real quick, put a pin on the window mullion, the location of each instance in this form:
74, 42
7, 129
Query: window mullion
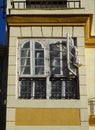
46, 60
46, 67
33, 89
48, 88
32, 53
61, 68
63, 93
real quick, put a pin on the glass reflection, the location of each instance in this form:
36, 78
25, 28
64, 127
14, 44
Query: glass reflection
39, 62
39, 54
25, 70
38, 45
39, 70
25, 53
26, 45
25, 61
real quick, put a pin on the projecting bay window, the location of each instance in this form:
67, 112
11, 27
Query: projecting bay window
48, 69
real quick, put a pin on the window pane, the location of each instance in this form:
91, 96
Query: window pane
55, 47
26, 45
25, 53
25, 70
26, 89
55, 58
25, 61
40, 89
55, 70
55, 62
70, 89
38, 45
25, 58
39, 54
54, 54
56, 88
73, 68
39, 62
39, 59
39, 70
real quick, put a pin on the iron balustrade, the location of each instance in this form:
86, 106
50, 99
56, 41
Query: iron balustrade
45, 4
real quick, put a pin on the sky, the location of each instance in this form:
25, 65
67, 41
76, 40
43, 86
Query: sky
2, 26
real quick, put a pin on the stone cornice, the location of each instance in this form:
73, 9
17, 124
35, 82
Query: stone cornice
56, 20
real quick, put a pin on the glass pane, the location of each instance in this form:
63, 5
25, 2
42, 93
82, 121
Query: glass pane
55, 70
39, 54
54, 54
55, 58
25, 70
38, 45
70, 89
73, 51
25, 53
26, 89
26, 45
39, 70
40, 89
55, 47
71, 57
72, 67
56, 89
25, 82
25, 61
39, 62
55, 62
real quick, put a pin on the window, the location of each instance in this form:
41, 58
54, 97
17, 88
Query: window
48, 69
46, 3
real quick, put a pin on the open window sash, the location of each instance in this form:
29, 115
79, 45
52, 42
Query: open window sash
71, 55
55, 49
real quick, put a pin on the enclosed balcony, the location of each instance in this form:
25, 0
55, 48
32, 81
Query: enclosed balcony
45, 4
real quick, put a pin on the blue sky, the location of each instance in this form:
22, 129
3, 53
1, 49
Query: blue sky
2, 27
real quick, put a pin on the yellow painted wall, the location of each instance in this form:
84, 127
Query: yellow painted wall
90, 71
47, 117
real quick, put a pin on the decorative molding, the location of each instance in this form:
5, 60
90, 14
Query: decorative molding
56, 20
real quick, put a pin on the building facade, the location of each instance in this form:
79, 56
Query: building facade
49, 43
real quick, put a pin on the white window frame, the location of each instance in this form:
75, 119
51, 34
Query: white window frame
70, 42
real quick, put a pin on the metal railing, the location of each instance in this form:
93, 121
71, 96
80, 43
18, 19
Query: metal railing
45, 4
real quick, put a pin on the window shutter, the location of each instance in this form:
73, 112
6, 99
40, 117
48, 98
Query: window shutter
71, 55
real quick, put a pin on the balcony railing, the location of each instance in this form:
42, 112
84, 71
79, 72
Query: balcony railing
32, 4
